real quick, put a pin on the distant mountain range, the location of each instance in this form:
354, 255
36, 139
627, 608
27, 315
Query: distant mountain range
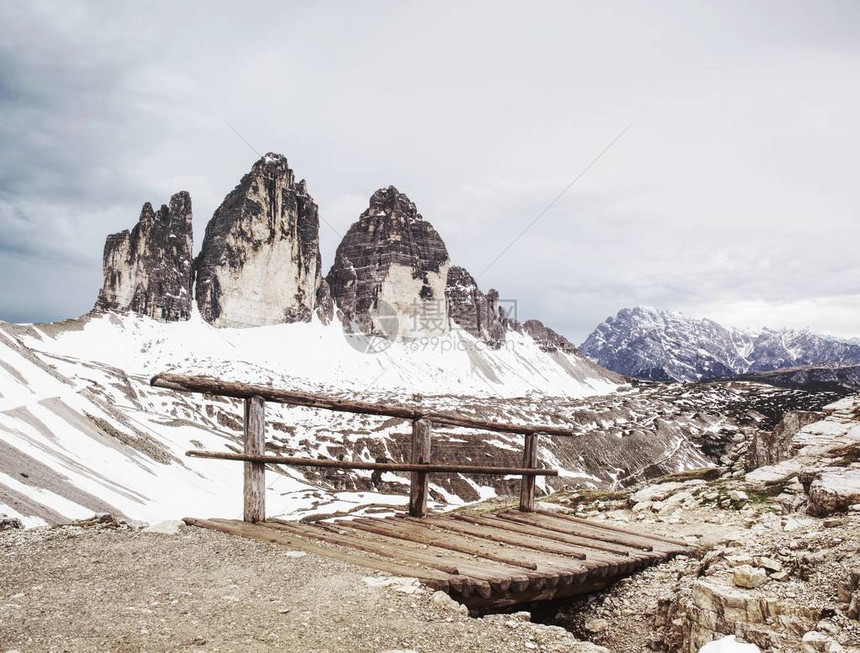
658, 345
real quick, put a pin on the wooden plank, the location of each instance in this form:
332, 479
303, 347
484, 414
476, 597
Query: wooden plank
535, 531
550, 569
255, 472
211, 386
542, 521
586, 530
506, 537
563, 562
527, 484
430, 577
419, 482
466, 566
377, 548
579, 520
593, 529
499, 577
424, 537
487, 550
360, 464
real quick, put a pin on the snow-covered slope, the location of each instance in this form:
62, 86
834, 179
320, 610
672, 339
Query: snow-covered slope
666, 345
82, 431
322, 357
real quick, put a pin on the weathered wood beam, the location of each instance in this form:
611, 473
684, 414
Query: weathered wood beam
419, 482
422, 534
527, 484
548, 520
499, 578
525, 527
388, 467
615, 529
376, 548
211, 386
557, 526
255, 472
495, 534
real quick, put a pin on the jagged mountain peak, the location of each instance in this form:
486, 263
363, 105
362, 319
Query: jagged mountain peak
650, 343
390, 201
272, 161
391, 264
260, 259
148, 269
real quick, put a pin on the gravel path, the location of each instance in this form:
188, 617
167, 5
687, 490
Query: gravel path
100, 588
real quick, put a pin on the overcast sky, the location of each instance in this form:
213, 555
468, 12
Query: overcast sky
734, 195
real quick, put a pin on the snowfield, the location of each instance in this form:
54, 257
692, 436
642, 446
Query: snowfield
83, 432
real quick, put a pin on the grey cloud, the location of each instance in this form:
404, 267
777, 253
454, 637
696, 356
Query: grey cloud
734, 189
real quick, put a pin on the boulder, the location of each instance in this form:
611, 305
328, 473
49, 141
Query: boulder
834, 489
655, 493
715, 609
749, 577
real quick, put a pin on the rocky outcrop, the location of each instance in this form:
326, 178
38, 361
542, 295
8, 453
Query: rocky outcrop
324, 302
148, 270
260, 260
391, 266
771, 447
548, 339
473, 311
714, 608
842, 378
832, 489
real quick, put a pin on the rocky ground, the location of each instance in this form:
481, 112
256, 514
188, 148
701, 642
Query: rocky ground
777, 559
103, 587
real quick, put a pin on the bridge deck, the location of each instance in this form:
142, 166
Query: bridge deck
493, 560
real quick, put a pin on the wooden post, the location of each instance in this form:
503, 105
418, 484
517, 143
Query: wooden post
255, 473
527, 485
419, 484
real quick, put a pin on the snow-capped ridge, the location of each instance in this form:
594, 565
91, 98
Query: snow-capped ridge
645, 342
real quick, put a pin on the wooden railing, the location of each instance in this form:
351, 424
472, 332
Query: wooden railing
255, 458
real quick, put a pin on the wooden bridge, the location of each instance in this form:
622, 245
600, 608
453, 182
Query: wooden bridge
488, 560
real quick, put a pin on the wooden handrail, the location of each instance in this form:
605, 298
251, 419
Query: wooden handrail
388, 467
254, 441
212, 386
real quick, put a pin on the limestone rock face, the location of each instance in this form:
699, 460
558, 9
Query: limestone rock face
391, 264
772, 447
472, 310
148, 270
260, 260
